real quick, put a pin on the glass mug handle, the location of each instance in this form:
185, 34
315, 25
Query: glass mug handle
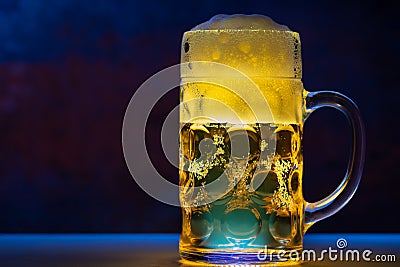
328, 206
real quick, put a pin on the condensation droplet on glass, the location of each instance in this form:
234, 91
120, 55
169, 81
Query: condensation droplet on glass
244, 47
215, 55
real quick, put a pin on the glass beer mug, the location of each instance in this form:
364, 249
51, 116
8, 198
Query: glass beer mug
242, 112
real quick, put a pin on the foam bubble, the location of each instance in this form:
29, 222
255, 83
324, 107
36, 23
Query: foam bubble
240, 22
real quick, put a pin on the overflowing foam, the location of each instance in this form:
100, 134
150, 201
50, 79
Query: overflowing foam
240, 22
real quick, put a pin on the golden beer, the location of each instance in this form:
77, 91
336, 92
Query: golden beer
244, 217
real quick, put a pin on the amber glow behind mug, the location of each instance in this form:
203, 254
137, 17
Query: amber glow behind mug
241, 162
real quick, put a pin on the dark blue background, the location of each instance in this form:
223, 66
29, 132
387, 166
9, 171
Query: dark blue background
68, 69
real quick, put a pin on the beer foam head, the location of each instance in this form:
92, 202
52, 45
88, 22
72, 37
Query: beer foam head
267, 53
253, 44
240, 22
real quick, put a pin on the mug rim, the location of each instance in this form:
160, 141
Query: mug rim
243, 30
